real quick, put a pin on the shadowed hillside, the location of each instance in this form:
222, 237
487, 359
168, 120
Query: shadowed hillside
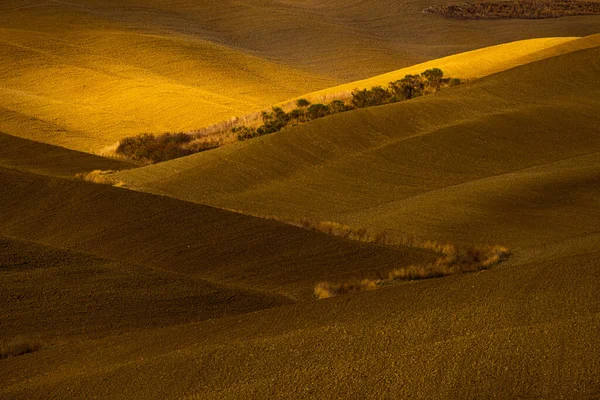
46, 159
194, 240
52, 295
525, 329
173, 287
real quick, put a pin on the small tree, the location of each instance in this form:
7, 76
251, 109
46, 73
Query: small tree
316, 111
337, 106
244, 133
410, 86
433, 78
273, 121
302, 103
297, 114
369, 98
360, 98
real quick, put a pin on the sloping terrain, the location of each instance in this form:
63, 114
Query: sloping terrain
53, 295
372, 167
86, 87
84, 75
41, 158
167, 294
476, 63
524, 329
184, 238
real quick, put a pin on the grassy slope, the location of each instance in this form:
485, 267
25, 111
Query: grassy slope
54, 295
524, 329
527, 328
477, 63
85, 75
441, 150
41, 158
184, 238
85, 86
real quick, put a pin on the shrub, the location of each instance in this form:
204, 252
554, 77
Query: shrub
370, 98
316, 111
338, 106
302, 103
516, 9
244, 133
433, 78
325, 290
298, 115
273, 121
153, 149
411, 86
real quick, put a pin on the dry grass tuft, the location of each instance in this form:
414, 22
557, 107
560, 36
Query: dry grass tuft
101, 177
453, 260
324, 290
18, 347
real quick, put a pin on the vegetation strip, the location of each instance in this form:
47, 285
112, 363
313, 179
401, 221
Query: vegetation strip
453, 259
150, 148
516, 9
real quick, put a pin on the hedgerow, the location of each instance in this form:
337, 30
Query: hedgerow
152, 149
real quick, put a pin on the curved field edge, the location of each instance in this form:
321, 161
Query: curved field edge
473, 64
511, 324
45, 159
200, 242
151, 149
106, 75
476, 63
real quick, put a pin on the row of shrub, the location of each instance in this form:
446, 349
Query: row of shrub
149, 148
410, 86
153, 149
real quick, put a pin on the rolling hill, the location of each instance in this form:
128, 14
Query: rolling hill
202, 242
85, 75
457, 148
54, 296
526, 328
45, 159
476, 63
175, 287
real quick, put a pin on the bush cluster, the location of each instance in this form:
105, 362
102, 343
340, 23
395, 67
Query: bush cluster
149, 148
277, 119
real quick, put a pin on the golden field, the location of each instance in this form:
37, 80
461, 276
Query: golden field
196, 278
84, 75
